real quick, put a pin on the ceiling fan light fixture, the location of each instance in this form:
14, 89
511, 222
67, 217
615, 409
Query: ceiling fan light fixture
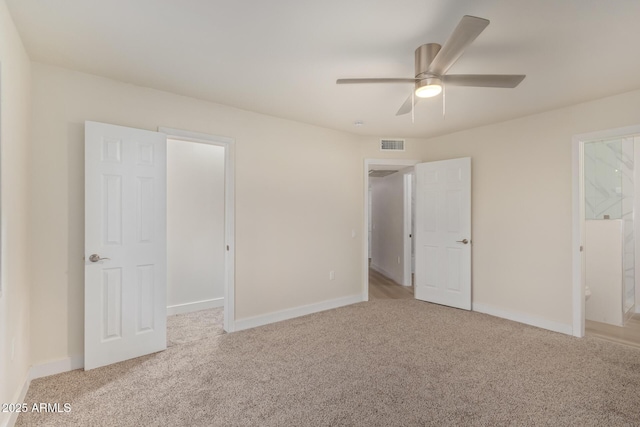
428, 87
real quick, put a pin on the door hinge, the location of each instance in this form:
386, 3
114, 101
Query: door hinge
581, 248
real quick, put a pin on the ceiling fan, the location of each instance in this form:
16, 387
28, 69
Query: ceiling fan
433, 61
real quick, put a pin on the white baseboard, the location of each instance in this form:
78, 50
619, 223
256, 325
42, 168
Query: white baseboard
194, 306
77, 362
11, 421
44, 370
277, 316
524, 318
56, 367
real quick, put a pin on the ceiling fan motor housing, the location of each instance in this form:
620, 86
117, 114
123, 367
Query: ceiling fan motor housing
424, 57
432, 82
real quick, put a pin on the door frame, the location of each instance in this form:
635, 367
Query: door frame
407, 226
401, 163
229, 211
578, 213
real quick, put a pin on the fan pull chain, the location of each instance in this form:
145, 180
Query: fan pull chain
413, 104
444, 100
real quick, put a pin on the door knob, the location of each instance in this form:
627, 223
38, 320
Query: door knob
96, 258
463, 241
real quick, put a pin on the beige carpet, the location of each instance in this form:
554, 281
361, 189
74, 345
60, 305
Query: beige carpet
194, 326
381, 363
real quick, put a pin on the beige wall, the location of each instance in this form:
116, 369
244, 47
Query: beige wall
195, 223
298, 196
521, 201
14, 298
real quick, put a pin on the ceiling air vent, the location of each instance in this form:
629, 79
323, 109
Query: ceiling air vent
392, 145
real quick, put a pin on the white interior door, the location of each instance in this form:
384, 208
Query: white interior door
443, 232
125, 226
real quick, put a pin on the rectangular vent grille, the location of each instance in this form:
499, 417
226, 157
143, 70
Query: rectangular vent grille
392, 145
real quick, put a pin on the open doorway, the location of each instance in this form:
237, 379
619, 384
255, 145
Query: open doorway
388, 206
200, 234
195, 240
605, 202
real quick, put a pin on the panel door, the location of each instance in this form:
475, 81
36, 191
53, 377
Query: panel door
443, 232
125, 243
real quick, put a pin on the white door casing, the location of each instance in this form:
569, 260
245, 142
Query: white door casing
442, 225
125, 223
407, 237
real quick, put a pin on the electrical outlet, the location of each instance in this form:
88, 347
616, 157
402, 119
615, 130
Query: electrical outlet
332, 275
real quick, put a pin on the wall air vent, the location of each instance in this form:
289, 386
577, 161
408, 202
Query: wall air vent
392, 145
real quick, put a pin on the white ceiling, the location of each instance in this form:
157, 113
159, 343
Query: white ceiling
282, 57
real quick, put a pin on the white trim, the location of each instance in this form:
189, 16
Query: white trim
365, 234
229, 213
13, 417
290, 313
527, 319
577, 241
194, 306
185, 135
578, 215
56, 367
407, 189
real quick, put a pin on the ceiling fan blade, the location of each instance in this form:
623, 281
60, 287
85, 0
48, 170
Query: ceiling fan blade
484, 80
465, 33
406, 107
378, 80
